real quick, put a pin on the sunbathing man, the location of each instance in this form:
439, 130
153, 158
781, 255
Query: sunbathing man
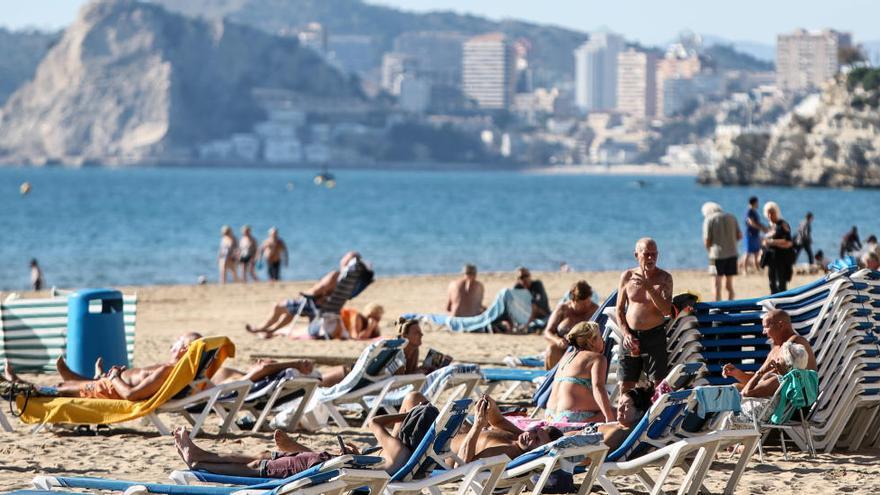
644, 300
465, 295
492, 434
764, 382
118, 383
284, 311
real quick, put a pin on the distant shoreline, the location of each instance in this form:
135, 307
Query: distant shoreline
632, 169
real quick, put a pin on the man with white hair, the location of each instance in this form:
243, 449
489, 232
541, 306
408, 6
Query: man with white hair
720, 236
782, 358
870, 260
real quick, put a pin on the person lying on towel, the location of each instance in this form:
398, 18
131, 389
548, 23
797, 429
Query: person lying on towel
136, 384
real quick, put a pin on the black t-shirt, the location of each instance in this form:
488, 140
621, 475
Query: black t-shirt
539, 297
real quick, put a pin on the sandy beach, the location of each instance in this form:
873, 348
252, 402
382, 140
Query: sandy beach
134, 451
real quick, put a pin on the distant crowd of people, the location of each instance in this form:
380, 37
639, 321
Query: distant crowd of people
772, 246
246, 255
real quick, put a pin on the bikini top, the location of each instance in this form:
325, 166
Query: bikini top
584, 382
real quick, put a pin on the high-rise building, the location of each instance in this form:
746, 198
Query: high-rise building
678, 64
596, 72
489, 71
806, 60
636, 83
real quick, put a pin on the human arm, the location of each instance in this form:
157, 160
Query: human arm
468, 449
497, 420
731, 371
621, 311
739, 234
598, 374
661, 293
284, 254
550, 331
145, 389
707, 234
764, 382
780, 243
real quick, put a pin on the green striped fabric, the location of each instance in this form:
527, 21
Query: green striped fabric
33, 332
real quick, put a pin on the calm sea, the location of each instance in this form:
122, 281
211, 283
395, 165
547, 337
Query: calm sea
99, 227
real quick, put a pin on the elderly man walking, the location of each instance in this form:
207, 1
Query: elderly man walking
720, 235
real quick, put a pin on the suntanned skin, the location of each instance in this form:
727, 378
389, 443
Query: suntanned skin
777, 326
566, 315
644, 296
587, 363
465, 296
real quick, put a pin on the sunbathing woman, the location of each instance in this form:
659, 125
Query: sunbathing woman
362, 326
578, 308
578, 394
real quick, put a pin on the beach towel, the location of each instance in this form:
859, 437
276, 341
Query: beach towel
191, 374
798, 389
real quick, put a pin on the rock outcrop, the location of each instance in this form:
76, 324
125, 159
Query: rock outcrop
130, 82
831, 139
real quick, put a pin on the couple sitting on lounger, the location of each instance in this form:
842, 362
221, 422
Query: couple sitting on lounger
491, 434
136, 384
344, 325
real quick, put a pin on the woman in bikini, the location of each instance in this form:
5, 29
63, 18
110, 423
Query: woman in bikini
227, 254
579, 307
578, 394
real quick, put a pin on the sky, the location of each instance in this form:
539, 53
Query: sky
647, 21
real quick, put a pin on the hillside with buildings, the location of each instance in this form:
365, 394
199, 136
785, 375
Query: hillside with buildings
131, 82
831, 139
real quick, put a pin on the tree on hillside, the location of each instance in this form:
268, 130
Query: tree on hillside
851, 55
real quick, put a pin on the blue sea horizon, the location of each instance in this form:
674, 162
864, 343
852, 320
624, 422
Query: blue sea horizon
145, 226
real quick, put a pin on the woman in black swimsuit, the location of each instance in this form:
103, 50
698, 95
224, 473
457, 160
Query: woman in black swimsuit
778, 254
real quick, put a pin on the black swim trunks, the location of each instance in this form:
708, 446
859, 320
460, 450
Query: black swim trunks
725, 266
652, 358
274, 270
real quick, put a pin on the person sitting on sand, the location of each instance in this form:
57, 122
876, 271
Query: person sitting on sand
631, 407
777, 326
465, 295
578, 394
284, 311
357, 326
579, 307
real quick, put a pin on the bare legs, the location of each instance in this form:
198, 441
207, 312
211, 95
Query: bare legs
279, 319
231, 464
227, 266
728, 282
249, 269
263, 368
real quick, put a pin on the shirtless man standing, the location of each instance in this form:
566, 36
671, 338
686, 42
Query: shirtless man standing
274, 250
465, 295
644, 300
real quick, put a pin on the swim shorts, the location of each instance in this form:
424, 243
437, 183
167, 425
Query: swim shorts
725, 266
273, 268
753, 244
652, 358
286, 464
99, 389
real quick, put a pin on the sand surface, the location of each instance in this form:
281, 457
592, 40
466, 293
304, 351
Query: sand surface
134, 451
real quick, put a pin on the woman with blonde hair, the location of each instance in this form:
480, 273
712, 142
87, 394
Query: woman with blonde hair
362, 326
578, 394
778, 249
579, 307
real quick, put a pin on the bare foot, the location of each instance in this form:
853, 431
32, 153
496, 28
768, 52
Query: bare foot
251, 329
99, 367
284, 443
65, 371
265, 335
187, 450
8, 373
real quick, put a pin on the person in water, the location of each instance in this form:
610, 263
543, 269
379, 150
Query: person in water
578, 394
227, 254
579, 307
247, 254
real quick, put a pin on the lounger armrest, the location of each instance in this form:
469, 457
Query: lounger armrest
562, 454
445, 476
45, 482
350, 460
415, 379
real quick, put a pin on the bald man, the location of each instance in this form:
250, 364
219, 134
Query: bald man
777, 326
644, 300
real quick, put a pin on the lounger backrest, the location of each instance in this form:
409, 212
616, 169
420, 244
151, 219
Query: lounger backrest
433, 450
666, 413
684, 375
377, 361
353, 274
33, 332
206, 362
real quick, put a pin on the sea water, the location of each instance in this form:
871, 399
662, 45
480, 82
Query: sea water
103, 227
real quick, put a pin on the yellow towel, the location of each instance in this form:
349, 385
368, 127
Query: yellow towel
104, 411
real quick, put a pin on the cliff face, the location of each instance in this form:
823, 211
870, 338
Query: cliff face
130, 82
22, 52
832, 139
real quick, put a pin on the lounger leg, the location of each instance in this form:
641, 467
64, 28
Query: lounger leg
229, 421
154, 418
4, 423
377, 402
809, 435
782, 439
336, 415
747, 453
592, 474
608, 486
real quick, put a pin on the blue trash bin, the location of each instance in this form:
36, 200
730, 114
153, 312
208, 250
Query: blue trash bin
95, 328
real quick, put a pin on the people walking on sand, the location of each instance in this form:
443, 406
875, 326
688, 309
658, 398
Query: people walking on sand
274, 251
578, 308
778, 254
720, 235
247, 254
804, 239
36, 275
227, 255
754, 228
850, 244
465, 295
644, 301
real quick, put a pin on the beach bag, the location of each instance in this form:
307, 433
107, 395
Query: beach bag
416, 425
